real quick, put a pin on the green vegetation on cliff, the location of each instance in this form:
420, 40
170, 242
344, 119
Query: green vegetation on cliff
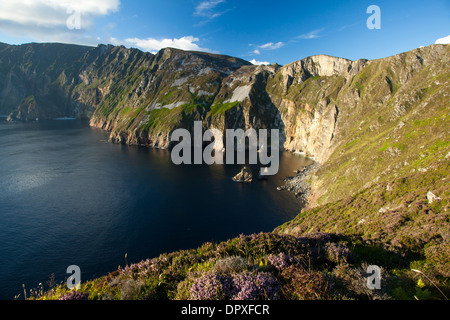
221, 108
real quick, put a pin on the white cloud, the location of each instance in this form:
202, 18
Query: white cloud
444, 40
266, 46
47, 20
53, 13
311, 35
253, 61
348, 26
271, 46
188, 43
205, 8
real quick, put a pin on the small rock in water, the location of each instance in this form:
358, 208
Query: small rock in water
245, 176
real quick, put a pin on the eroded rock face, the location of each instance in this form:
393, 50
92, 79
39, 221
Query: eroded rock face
309, 133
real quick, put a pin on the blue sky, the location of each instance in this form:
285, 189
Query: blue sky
264, 31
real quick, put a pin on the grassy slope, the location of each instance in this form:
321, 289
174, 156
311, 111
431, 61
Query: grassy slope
396, 127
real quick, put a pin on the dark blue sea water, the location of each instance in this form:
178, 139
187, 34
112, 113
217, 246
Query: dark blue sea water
68, 197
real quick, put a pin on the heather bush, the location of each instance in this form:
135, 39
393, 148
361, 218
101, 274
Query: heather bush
256, 246
211, 286
259, 286
130, 289
300, 284
355, 282
245, 285
281, 261
319, 238
337, 253
75, 295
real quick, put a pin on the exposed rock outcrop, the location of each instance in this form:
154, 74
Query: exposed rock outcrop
245, 176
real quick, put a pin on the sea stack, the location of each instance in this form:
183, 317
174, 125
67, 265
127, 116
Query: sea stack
245, 176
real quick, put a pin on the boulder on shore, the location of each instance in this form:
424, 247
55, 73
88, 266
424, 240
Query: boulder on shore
245, 176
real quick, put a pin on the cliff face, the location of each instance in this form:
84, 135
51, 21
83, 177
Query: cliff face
393, 120
172, 91
306, 93
340, 112
38, 81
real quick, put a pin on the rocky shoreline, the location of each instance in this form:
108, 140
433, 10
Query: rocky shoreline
297, 184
